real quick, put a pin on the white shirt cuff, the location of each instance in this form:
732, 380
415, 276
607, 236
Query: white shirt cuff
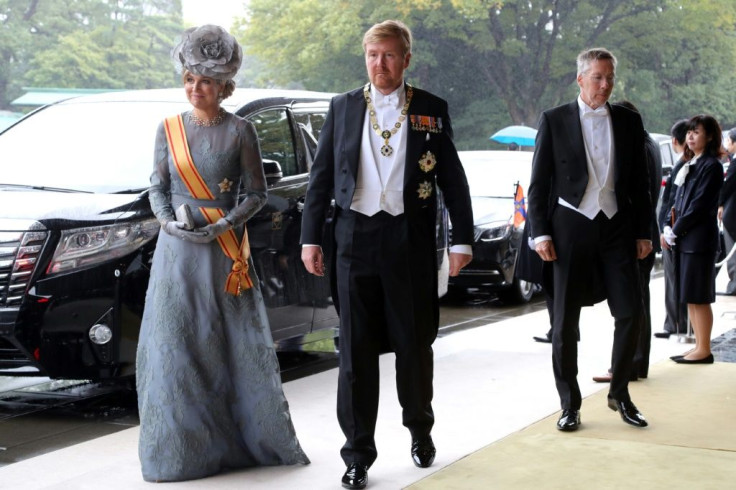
462, 249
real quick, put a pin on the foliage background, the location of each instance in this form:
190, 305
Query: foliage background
496, 62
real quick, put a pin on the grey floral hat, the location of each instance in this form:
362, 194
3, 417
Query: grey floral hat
209, 51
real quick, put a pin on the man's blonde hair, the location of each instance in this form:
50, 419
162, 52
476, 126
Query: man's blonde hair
389, 29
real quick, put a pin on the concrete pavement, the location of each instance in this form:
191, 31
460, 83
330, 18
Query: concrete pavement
490, 382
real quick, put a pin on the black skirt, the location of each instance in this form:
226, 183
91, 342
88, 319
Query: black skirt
697, 277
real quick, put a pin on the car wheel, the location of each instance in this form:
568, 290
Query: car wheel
520, 291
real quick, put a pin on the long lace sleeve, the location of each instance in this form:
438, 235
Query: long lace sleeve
159, 194
253, 179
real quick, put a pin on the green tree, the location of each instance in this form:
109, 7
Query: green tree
499, 63
86, 44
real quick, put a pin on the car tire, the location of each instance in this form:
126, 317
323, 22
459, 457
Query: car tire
520, 291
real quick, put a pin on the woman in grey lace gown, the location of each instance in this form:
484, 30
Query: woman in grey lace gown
209, 389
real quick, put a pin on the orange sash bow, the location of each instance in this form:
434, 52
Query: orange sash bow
238, 278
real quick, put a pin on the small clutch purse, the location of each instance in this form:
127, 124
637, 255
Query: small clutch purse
184, 214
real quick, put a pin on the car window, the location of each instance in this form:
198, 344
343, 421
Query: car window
666, 149
85, 146
312, 121
275, 138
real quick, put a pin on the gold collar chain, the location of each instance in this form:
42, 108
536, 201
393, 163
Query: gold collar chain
386, 149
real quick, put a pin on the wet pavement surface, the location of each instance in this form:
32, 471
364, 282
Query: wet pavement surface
38, 415
724, 347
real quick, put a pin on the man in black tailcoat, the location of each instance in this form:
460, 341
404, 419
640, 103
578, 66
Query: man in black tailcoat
383, 151
590, 208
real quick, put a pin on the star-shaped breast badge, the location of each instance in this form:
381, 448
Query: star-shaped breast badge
225, 185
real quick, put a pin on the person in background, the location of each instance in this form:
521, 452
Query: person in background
694, 231
727, 211
383, 152
645, 265
590, 212
208, 380
675, 321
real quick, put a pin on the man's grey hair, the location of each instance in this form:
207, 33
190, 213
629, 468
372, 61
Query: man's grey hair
586, 57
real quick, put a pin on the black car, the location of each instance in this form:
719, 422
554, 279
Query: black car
493, 177
77, 233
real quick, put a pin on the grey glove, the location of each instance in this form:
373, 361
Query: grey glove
210, 232
177, 229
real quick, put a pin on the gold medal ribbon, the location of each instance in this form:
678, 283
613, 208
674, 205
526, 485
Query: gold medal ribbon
238, 278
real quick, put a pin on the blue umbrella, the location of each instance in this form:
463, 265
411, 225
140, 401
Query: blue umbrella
521, 135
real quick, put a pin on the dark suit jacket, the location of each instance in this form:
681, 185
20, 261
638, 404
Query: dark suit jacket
335, 171
559, 167
728, 199
668, 197
696, 207
654, 167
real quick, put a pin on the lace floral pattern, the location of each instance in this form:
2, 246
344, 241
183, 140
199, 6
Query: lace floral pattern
209, 388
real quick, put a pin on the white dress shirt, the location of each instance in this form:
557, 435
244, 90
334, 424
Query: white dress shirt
380, 182
600, 193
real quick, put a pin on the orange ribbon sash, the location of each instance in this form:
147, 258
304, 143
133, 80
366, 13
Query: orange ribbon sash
238, 278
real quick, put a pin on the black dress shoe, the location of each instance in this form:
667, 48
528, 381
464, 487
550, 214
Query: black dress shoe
706, 360
356, 476
569, 420
423, 452
662, 335
545, 339
629, 413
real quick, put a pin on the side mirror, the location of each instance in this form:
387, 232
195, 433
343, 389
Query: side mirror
272, 171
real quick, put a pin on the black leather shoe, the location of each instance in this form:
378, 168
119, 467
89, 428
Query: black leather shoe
356, 476
629, 413
545, 339
423, 452
706, 360
569, 420
662, 335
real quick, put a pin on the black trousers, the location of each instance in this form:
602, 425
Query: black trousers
590, 254
676, 312
375, 292
644, 320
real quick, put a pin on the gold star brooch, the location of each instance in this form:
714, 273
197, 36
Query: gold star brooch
225, 185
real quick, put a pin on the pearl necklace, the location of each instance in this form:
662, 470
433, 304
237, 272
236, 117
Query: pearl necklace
386, 149
194, 119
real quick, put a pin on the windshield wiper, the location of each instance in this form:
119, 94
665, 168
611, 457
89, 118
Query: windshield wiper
43, 188
136, 190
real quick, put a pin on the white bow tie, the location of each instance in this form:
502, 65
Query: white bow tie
682, 174
602, 111
390, 100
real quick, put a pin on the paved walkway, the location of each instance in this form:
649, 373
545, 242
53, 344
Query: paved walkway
490, 382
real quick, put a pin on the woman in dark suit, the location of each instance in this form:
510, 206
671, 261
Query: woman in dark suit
694, 231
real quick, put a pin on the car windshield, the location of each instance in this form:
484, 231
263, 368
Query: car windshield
85, 146
495, 173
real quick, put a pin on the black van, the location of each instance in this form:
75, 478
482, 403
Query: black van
77, 233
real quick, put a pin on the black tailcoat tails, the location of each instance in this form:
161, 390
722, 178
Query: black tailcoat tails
386, 266
591, 254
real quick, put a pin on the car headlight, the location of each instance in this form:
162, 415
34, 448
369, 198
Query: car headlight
83, 247
495, 230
